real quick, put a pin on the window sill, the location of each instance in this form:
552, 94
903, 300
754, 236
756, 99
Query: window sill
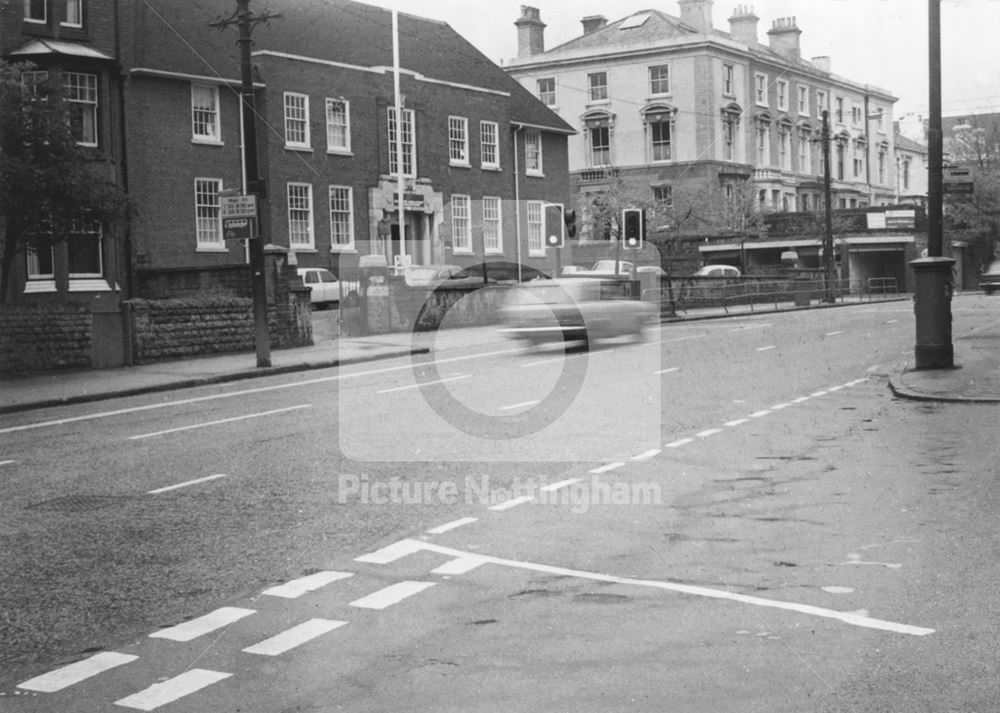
89, 284
460, 164
536, 253
340, 152
344, 249
495, 253
462, 251
495, 169
212, 249
206, 142
299, 249
33, 287
535, 174
298, 148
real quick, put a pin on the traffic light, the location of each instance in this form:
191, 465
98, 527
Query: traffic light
633, 228
554, 225
570, 219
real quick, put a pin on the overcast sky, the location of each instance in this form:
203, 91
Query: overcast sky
878, 42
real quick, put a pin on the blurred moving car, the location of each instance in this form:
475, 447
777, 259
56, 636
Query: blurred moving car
718, 271
989, 279
575, 309
428, 275
496, 272
324, 287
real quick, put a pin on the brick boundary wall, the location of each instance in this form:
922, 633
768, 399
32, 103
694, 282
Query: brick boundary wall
44, 337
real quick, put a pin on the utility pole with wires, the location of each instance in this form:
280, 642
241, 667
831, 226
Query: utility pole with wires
246, 21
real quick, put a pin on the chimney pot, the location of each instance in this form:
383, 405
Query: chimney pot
593, 23
743, 25
697, 13
530, 32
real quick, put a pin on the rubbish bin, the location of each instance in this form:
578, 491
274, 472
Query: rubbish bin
801, 291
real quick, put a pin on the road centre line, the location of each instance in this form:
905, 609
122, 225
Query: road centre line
560, 485
801, 399
852, 618
736, 422
778, 407
393, 594
667, 371
66, 676
752, 326
767, 348
520, 405
186, 484
244, 392
512, 503
425, 383
817, 394
708, 432
220, 422
6, 462
189, 630
607, 467
834, 334
758, 414
682, 339
452, 525
295, 588
835, 388
296, 636
159, 694
646, 455
679, 443
553, 360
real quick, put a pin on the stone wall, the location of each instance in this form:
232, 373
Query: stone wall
420, 310
44, 337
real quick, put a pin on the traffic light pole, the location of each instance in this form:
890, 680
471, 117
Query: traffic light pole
828, 277
245, 22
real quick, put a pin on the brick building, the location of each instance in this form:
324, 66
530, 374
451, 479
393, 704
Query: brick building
480, 153
79, 40
678, 112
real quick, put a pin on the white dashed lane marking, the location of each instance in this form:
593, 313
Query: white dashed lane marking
737, 422
680, 442
390, 553
758, 414
425, 383
523, 404
186, 484
767, 348
708, 432
220, 422
393, 594
512, 503
560, 485
646, 455
834, 334
294, 637
297, 587
607, 467
75, 672
190, 630
460, 565
172, 689
667, 371
452, 525
6, 462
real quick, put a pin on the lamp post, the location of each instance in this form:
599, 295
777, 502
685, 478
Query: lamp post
932, 274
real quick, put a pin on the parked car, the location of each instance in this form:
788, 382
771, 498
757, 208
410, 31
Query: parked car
574, 309
496, 272
428, 276
989, 279
323, 286
718, 271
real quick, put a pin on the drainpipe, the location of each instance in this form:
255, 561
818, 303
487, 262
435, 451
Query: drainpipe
123, 148
517, 199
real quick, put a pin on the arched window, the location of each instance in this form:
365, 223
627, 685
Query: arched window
762, 125
659, 122
731, 115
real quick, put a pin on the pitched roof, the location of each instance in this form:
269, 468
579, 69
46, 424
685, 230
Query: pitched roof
908, 144
178, 38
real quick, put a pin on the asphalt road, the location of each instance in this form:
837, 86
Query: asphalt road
731, 515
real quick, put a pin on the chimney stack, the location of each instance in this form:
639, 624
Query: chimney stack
743, 25
530, 32
822, 64
784, 37
697, 13
593, 23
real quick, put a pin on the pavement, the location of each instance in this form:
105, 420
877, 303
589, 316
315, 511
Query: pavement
975, 378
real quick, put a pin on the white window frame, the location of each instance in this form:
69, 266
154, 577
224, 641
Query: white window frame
533, 165
81, 91
409, 142
857, 115
669, 143
535, 215
822, 103
760, 89
38, 281
664, 195
458, 141
341, 218
461, 224
764, 143
805, 155
728, 80
652, 81
28, 17
544, 95
489, 145
203, 115
783, 94
208, 216
595, 159
597, 92
838, 110
90, 280
803, 92
881, 165
335, 121
784, 147
299, 197
492, 225
297, 129
76, 5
